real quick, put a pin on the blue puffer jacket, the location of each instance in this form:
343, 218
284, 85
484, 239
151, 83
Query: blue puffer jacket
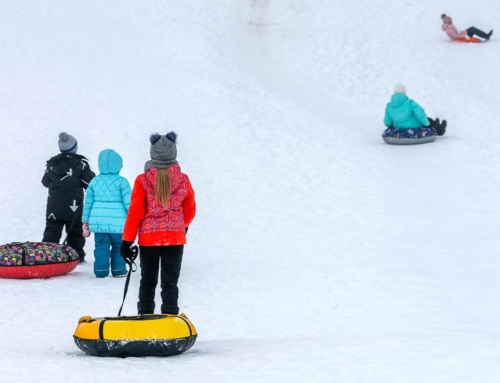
108, 196
404, 113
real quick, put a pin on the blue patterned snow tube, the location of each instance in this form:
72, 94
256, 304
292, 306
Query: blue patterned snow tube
394, 136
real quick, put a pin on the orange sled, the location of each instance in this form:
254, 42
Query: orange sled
471, 40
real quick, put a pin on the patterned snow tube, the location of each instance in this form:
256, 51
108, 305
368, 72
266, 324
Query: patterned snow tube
138, 336
28, 260
394, 136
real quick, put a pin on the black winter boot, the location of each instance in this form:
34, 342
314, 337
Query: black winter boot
145, 308
442, 128
433, 124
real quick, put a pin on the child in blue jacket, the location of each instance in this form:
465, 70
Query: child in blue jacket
404, 113
104, 213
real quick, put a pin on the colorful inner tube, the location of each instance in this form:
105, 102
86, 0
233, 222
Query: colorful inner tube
394, 136
27, 260
136, 336
37, 271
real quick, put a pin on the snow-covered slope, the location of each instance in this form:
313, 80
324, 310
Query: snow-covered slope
318, 253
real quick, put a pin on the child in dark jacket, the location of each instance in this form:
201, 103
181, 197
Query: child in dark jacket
67, 176
161, 209
104, 212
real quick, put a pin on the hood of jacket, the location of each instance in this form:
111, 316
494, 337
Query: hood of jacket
110, 162
398, 99
64, 157
60, 164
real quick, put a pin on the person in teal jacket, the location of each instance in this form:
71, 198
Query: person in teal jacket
104, 213
404, 113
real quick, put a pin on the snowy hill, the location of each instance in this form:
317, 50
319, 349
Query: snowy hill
318, 253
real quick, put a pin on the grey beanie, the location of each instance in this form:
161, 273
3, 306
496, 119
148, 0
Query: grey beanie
163, 151
67, 143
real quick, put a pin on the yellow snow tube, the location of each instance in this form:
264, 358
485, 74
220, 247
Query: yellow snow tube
142, 335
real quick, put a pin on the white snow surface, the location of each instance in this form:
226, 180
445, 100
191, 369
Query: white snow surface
318, 253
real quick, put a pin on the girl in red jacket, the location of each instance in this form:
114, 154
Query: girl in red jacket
161, 208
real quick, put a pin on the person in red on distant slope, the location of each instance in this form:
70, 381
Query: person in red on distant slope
161, 209
454, 34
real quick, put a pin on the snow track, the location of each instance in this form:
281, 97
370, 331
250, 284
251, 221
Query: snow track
318, 253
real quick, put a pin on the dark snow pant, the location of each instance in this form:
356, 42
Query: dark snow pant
106, 251
474, 31
53, 232
167, 260
440, 128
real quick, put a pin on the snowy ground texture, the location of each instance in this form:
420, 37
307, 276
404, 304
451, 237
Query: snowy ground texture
319, 254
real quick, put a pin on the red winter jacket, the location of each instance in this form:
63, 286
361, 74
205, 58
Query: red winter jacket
156, 225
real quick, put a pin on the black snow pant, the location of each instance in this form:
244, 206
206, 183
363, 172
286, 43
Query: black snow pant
167, 260
53, 233
474, 31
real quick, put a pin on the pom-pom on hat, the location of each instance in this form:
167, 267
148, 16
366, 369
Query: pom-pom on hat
163, 147
67, 143
399, 88
163, 150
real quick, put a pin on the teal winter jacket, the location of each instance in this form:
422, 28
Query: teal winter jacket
404, 113
108, 196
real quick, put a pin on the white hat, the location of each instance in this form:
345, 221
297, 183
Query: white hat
399, 88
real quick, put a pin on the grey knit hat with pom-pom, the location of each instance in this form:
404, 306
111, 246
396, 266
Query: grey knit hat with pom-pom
67, 143
163, 151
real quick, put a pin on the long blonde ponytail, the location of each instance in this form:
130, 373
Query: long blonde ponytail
163, 187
